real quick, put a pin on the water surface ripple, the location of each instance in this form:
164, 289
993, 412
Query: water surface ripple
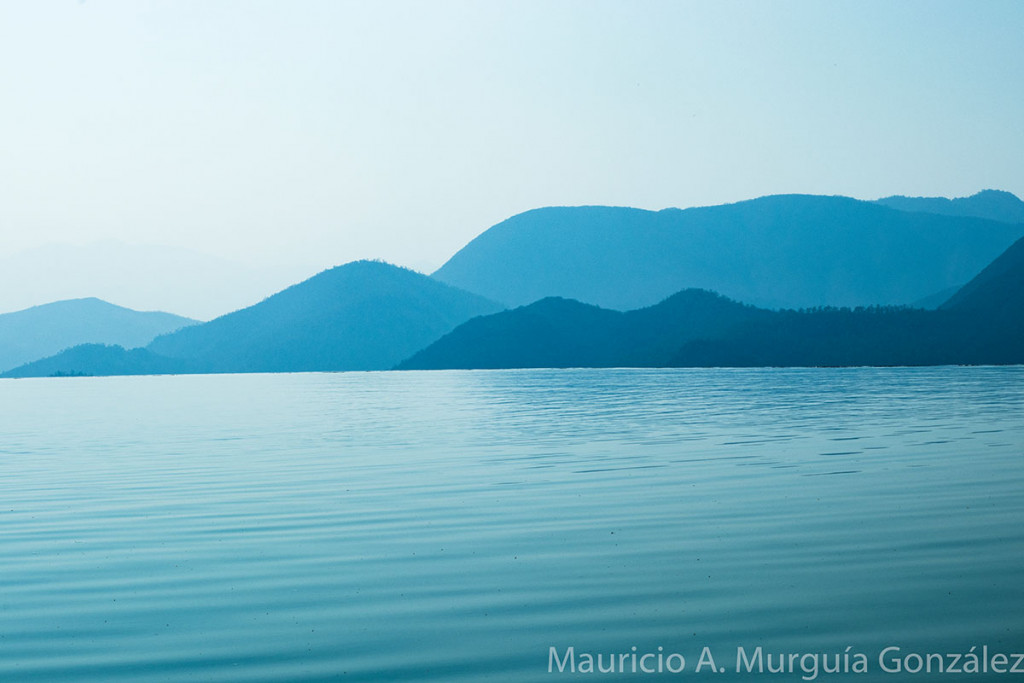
452, 526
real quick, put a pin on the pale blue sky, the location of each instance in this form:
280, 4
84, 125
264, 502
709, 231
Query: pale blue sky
318, 132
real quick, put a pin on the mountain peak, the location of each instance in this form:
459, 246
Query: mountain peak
363, 315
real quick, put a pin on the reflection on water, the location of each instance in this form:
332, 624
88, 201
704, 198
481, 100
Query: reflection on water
454, 526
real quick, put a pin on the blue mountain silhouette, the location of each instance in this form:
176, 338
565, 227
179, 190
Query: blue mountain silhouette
365, 315
996, 205
982, 324
44, 330
786, 251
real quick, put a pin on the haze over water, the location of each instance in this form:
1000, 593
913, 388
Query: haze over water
453, 526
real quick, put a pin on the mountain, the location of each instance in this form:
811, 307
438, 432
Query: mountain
556, 332
365, 315
44, 330
993, 306
566, 333
100, 359
784, 251
998, 290
983, 323
994, 205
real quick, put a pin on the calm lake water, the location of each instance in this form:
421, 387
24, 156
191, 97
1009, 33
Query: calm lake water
455, 526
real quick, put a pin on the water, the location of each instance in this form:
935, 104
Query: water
454, 526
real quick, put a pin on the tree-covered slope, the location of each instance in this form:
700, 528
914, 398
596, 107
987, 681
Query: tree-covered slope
556, 332
364, 315
100, 359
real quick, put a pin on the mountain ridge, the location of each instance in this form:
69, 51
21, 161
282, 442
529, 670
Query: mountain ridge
364, 315
779, 251
997, 205
983, 323
46, 329
558, 332
370, 315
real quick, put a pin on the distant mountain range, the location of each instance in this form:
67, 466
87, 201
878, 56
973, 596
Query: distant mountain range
45, 330
994, 205
361, 316
786, 251
373, 316
558, 333
982, 324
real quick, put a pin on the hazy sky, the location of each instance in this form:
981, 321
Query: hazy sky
318, 132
